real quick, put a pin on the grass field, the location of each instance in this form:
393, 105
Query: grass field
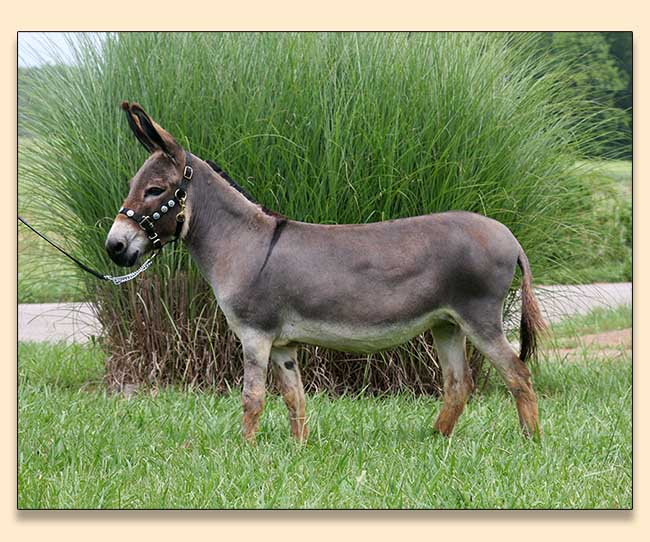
82, 448
619, 171
611, 187
566, 334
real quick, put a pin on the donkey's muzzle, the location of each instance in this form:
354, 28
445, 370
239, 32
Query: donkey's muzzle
117, 250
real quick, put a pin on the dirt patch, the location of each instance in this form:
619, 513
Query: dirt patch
609, 344
618, 337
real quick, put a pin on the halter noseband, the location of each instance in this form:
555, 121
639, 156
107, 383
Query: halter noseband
148, 223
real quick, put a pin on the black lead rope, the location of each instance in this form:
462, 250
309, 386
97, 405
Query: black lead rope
80, 264
110, 278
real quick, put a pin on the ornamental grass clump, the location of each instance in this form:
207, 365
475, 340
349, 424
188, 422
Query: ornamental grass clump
322, 127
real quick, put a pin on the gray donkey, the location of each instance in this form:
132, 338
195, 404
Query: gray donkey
359, 288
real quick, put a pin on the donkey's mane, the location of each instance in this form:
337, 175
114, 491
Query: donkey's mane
219, 170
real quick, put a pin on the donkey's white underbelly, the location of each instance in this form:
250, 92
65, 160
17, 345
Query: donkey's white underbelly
356, 338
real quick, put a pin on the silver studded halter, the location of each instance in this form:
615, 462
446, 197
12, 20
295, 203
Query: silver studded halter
148, 222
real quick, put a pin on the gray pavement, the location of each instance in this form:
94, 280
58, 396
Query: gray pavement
54, 322
560, 302
76, 322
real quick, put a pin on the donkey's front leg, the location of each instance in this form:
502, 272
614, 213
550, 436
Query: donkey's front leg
450, 343
256, 359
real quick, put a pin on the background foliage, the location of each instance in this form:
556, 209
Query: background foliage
602, 72
324, 128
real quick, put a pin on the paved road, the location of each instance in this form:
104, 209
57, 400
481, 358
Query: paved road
76, 322
560, 302
54, 322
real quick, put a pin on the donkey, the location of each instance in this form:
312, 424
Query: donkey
361, 288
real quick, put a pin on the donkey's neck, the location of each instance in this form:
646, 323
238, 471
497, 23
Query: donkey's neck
220, 220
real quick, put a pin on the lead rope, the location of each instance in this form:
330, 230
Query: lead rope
115, 280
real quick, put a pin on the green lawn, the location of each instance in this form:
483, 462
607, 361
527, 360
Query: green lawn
44, 275
82, 448
566, 334
596, 321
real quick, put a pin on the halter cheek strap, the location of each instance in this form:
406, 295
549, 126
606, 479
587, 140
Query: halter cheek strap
148, 223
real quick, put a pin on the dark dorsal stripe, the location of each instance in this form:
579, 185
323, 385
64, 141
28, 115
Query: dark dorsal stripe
219, 170
280, 223
280, 220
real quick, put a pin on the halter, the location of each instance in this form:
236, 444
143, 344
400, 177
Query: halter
148, 223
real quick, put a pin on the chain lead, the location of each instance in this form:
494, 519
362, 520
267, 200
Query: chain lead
130, 276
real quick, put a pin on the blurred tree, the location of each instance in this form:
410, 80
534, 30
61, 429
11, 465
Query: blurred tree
602, 73
620, 45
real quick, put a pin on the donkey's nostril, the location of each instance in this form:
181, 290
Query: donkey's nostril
115, 247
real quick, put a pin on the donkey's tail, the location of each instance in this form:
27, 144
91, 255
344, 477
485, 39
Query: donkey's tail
532, 322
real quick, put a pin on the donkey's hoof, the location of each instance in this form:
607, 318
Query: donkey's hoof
444, 430
535, 433
301, 436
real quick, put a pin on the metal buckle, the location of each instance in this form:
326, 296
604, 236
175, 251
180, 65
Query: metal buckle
157, 243
146, 223
188, 172
180, 194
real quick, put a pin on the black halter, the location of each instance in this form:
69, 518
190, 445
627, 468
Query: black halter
148, 223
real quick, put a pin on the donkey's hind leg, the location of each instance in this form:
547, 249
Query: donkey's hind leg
287, 374
517, 377
487, 335
450, 346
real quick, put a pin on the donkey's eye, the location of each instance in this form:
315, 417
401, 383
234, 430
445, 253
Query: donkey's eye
154, 191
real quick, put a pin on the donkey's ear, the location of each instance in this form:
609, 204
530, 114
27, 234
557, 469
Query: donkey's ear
150, 134
136, 128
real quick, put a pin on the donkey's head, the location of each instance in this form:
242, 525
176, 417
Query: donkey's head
149, 217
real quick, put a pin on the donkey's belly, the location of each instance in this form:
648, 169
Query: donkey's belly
356, 338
